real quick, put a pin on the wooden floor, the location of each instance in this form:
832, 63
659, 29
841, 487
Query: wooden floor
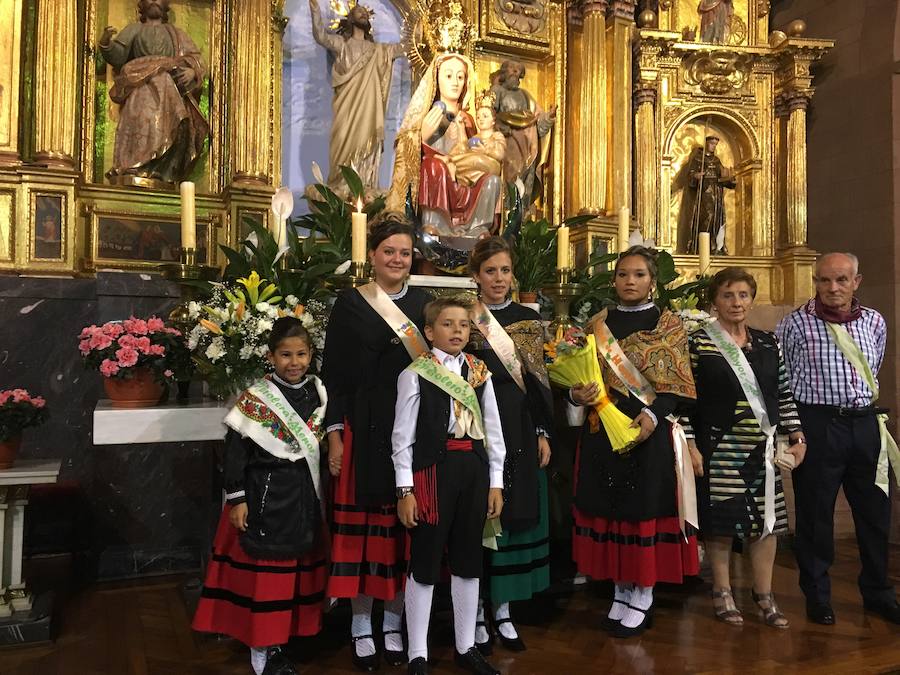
131, 628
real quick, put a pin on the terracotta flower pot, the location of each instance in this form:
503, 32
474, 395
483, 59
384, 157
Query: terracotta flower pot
139, 391
9, 450
527, 297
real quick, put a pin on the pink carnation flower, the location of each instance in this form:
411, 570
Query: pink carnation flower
127, 357
38, 402
108, 368
114, 330
128, 341
155, 324
157, 350
20, 396
173, 331
100, 341
5, 396
142, 344
87, 331
136, 326
85, 347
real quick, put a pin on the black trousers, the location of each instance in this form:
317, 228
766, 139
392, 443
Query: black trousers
840, 451
462, 492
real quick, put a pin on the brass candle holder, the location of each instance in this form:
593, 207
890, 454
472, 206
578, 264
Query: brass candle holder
186, 270
358, 274
562, 293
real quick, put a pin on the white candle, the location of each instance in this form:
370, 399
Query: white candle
562, 247
703, 249
188, 218
624, 228
358, 221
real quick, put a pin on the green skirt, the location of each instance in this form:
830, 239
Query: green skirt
520, 567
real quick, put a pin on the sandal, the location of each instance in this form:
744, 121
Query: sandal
725, 609
771, 614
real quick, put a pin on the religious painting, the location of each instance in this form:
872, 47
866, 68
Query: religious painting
131, 240
47, 227
7, 212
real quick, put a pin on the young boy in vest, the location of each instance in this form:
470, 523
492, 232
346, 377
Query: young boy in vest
448, 460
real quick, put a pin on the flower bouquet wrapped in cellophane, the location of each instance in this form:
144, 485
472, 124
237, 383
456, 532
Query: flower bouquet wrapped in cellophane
575, 363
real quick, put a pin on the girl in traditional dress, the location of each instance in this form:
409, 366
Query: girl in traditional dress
266, 579
732, 452
374, 332
510, 340
627, 525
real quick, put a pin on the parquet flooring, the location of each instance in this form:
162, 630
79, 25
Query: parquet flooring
144, 629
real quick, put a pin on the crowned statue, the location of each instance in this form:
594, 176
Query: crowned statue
361, 79
158, 78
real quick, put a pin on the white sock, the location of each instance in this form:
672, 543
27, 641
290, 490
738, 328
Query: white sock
393, 617
641, 599
506, 628
464, 593
620, 601
258, 659
481, 634
362, 624
418, 614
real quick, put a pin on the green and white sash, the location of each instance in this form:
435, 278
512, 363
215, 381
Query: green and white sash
256, 422
470, 422
634, 380
734, 357
500, 342
394, 317
890, 454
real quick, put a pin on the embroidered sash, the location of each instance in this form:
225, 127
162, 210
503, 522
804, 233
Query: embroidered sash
500, 342
263, 414
394, 317
633, 379
471, 424
889, 453
735, 358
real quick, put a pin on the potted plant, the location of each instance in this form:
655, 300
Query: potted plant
18, 410
136, 358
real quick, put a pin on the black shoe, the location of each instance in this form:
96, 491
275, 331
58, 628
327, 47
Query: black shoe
820, 613
889, 611
474, 662
609, 625
486, 648
367, 664
277, 663
512, 644
418, 666
621, 631
391, 657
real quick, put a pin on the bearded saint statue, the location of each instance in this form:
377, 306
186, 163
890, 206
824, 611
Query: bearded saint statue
436, 120
361, 78
158, 78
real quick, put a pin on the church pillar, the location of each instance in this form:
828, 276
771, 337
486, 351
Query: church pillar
622, 17
797, 102
56, 68
11, 17
645, 161
254, 100
592, 126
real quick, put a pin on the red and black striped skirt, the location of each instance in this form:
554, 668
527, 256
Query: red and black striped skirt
369, 546
260, 602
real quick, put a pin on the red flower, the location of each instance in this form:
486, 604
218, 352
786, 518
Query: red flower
109, 368
127, 357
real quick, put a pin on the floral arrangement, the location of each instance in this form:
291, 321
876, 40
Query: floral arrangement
118, 348
691, 316
573, 361
20, 410
229, 341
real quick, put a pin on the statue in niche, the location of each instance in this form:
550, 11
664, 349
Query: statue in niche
526, 127
436, 123
715, 20
483, 153
361, 78
524, 16
708, 179
158, 78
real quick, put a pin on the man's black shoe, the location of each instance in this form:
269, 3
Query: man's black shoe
889, 611
820, 613
418, 666
474, 662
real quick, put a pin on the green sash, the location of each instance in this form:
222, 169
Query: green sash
449, 382
889, 454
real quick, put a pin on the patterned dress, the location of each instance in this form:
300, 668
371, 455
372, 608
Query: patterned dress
731, 493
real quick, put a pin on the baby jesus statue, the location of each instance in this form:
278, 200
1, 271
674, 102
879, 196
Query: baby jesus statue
483, 153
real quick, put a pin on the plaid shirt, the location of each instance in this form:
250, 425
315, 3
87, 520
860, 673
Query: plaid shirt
820, 375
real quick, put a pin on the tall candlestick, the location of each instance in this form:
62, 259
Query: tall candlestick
358, 221
562, 247
624, 223
188, 217
703, 249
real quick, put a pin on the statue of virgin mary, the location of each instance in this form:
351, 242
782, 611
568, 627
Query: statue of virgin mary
436, 120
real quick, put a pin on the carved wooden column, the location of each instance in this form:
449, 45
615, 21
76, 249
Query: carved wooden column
11, 17
56, 69
646, 183
797, 102
592, 140
622, 17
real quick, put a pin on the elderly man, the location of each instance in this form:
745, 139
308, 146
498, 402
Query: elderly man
836, 406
